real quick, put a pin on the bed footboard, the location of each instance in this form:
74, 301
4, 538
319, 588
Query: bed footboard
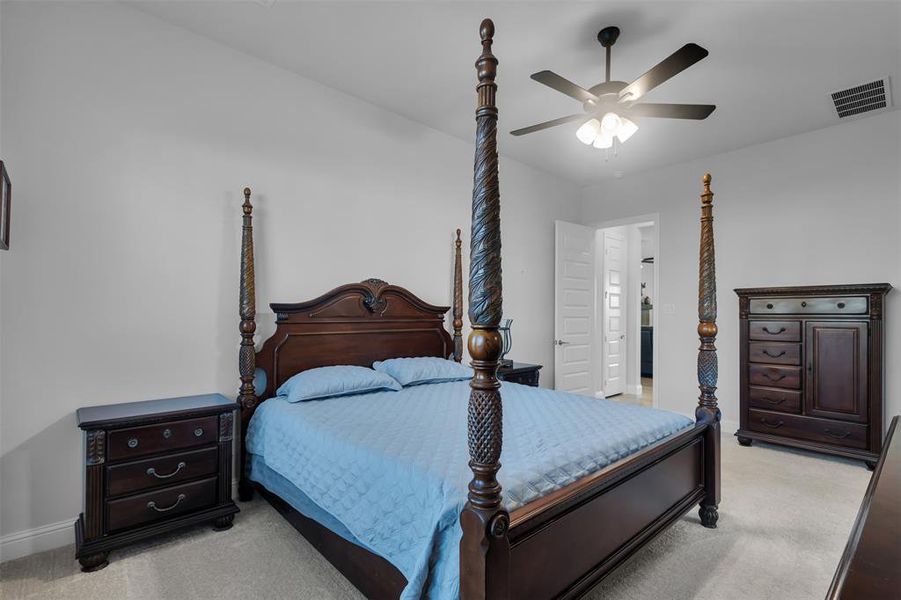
565, 543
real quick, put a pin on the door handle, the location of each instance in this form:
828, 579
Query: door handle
560, 342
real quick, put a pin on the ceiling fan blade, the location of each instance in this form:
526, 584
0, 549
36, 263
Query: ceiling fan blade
548, 124
671, 111
563, 85
670, 66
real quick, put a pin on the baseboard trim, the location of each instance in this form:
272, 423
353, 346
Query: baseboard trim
635, 390
47, 537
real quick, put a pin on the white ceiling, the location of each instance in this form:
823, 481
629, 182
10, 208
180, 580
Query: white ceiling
771, 67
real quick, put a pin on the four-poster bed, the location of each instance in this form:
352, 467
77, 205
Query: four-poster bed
553, 542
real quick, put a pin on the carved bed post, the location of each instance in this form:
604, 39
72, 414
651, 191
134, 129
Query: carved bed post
708, 411
247, 307
484, 548
458, 300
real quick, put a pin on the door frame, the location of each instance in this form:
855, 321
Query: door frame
636, 220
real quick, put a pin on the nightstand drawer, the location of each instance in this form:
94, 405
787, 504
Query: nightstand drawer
162, 437
126, 478
523, 378
163, 503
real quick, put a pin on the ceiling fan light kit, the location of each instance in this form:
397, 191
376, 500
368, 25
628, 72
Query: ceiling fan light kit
610, 108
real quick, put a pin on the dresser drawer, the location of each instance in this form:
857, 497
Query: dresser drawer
774, 399
777, 353
851, 305
161, 437
163, 503
775, 331
783, 377
808, 428
126, 478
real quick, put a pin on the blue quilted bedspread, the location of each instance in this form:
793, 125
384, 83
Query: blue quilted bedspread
392, 467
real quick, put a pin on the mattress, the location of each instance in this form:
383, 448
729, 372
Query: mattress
389, 470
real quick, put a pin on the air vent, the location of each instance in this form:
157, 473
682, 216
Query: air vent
862, 98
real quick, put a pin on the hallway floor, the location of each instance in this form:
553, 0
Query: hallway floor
645, 398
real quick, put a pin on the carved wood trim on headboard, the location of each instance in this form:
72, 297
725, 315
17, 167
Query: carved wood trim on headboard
354, 324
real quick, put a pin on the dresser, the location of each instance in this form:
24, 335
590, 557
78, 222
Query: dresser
811, 372
522, 373
153, 467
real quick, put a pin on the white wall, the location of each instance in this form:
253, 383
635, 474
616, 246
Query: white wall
130, 141
817, 208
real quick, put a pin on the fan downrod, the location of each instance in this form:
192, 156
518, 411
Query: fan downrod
608, 36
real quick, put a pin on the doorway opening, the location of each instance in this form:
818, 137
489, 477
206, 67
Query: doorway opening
606, 288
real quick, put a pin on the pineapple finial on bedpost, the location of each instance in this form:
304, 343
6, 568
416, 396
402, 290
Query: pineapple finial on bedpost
484, 547
458, 299
708, 412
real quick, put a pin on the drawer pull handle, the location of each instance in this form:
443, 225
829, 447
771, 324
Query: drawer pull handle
803, 304
167, 433
132, 442
839, 435
769, 305
776, 425
767, 352
767, 329
774, 401
841, 305
152, 472
771, 378
198, 432
152, 505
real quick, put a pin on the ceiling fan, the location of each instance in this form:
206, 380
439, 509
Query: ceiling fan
611, 108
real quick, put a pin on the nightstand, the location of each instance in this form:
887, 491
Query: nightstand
523, 373
153, 467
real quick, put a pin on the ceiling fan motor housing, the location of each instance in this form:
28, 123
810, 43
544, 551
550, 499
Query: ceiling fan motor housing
608, 36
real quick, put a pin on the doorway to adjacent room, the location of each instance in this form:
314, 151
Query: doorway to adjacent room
606, 285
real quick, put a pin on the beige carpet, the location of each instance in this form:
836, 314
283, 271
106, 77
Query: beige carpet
784, 520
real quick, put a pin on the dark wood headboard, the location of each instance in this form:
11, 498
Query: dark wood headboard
354, 324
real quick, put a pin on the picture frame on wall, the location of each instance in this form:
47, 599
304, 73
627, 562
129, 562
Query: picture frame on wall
6, 194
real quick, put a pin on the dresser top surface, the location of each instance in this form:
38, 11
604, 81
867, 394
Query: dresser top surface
121, 414
869, 566
800, 290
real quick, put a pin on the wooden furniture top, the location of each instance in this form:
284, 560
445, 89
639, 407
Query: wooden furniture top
518, 367
98, 417
871, 564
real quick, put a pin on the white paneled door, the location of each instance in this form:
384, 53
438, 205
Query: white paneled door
574, 279
613, 313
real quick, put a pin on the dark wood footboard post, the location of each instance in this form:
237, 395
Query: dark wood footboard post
458, 299
484, 549
708, 412
247, 307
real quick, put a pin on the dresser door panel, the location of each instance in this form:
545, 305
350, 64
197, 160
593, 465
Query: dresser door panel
837, 370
